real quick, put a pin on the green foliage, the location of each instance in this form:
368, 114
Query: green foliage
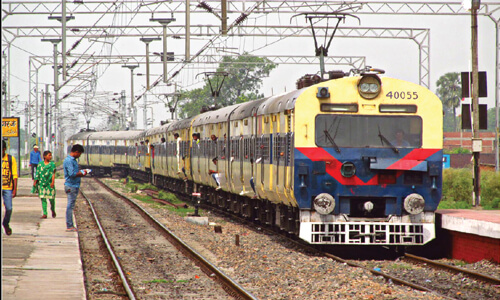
491, 119
454, 205
449, 90
132, 187
457, 151
169, 197
147, 186
401, 266
242, 84
143, 198
457, 185
490, 190
457, 189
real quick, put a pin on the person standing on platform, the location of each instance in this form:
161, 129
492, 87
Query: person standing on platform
9, 185
35, 159
45, 178
72, 182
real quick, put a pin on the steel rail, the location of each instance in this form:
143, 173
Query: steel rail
387, 276
476, 275
312, 249
111, 252
228, 284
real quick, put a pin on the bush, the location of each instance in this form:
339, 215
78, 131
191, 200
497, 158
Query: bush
147, 186
457, 185
457, 151
457, 189
490, 190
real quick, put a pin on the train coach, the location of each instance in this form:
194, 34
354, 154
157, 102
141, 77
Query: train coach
350, 160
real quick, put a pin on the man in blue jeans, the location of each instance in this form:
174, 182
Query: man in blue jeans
9, 185
35, 159
72, 182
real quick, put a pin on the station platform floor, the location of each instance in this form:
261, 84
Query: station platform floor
470, 234
480, 222
40, 260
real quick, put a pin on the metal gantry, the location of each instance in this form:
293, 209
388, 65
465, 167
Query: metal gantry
239, 10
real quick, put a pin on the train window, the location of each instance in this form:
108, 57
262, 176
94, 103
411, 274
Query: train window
246, 148
352, 131
277, 147
265, 148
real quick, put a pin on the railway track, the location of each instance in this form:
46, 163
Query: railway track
111, 252
419, 283
217, 278
453, 269
426, 287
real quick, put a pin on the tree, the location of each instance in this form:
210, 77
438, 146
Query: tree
492, 119
449, 90
242, 84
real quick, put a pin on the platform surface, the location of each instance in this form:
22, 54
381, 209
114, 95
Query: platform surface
480, 222
40, 260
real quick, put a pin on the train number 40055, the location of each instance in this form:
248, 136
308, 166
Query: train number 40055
402, 95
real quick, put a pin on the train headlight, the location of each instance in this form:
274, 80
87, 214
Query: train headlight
348, 169
324, 203
414, 204
369, 86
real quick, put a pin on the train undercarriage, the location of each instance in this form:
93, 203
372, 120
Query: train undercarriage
261, 211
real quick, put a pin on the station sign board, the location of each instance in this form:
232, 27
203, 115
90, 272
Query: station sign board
10, 127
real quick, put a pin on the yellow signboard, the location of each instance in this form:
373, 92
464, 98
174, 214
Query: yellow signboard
10, 127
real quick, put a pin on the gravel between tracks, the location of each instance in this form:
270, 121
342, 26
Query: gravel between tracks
453, 285
271, 267
154, 268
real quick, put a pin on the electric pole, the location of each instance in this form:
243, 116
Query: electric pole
476, 141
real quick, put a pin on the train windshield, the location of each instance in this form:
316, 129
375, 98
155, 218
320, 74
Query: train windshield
354, 131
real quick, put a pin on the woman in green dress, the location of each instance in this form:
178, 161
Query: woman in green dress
45, 178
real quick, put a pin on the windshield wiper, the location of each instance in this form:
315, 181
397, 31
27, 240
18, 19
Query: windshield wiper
384, 139
329, 137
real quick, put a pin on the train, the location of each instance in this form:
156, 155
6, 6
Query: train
348, 160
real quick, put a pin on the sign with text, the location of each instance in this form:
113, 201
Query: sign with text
10, 127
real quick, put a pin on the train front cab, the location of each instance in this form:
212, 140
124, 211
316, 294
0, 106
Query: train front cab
352, 183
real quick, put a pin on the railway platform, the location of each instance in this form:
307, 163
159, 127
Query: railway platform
470, 235
40, 260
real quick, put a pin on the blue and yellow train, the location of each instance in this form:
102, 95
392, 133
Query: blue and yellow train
350, 160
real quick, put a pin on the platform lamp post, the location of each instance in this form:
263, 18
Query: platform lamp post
164, 22
56, 82
132, 108
147, 40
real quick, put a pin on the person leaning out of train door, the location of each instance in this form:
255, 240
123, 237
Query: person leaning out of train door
177, 151
152, 153
72, 182
196, 139
35, 159
9, 185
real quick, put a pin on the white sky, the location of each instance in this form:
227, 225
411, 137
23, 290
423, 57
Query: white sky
450, 43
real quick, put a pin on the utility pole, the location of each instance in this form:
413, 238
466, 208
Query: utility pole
56, 88
132, 107
123, 110
476, 141
47, 122
145, 112
147, 41
188, 31
42, 113
164, 22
